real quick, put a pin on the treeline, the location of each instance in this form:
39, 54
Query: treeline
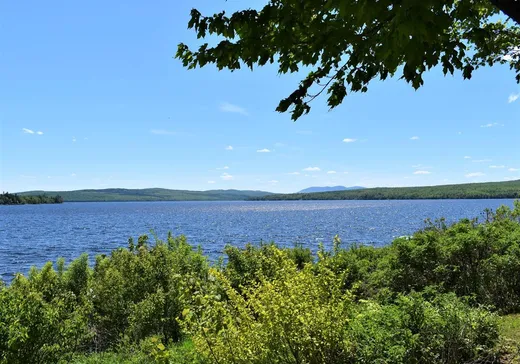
434, 297
7, 198
509, 189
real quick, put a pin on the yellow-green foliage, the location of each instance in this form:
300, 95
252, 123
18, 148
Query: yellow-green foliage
306, 316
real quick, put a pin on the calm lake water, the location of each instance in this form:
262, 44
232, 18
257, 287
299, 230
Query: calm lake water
33, 234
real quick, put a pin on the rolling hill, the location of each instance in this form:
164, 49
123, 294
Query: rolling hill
509, 189
149, 194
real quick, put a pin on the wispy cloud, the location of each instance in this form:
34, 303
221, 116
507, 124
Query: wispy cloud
497, 167
414, 138
211, 182
513, 97
163, 132
481, 160
345, 172
514, 169
229, 147
422, 172
29, 131
467, 157
221, 168
311, 169
474, 174
265, 150
226, 176
491, 125
74, 139
227, 107
331, 172
294, 173
349, 140
273, 182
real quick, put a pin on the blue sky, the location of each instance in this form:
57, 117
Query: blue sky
91, 97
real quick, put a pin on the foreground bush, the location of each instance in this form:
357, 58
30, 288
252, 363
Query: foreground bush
298, 316
131, 295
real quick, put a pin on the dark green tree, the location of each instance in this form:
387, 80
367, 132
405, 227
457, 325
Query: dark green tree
348, 43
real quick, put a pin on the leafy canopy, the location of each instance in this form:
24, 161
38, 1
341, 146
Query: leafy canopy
348, 43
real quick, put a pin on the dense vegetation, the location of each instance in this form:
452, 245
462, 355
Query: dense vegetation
509, 189
434, 297
150, 194
7, 198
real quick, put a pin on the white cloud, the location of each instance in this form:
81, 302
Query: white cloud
27, 131
211, 182
474, 174
513, 54
490, 125
39, 132
294, 173
414, 138
513, 169
349, 140
497, 167
513, 97
73, 174
226, 176
225, 167
74, 139
331, 172
229, 147
227, 107
422, 172
163, 132
265, 150
311, 169
467, 157
481, 160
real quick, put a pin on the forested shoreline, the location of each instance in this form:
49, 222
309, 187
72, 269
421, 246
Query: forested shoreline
487, 190
435, 297
7, 198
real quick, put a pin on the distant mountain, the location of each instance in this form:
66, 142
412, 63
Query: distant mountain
330, 189
149, 194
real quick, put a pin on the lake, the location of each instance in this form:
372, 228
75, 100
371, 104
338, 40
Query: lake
34, 234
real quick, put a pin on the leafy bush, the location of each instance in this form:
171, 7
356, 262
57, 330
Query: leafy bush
306, 316
41, 320
138, 292
468, 258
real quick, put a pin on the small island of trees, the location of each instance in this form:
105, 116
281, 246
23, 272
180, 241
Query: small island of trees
7, 198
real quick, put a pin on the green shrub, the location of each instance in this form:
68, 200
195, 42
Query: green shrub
138, 292
41, 320
306, 316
